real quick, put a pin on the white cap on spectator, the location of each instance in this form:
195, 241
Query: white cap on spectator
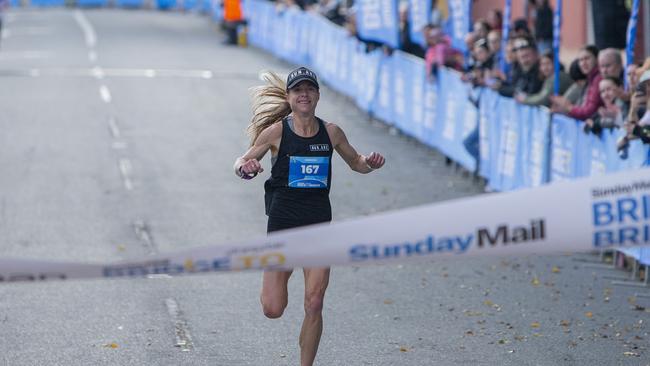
645, 76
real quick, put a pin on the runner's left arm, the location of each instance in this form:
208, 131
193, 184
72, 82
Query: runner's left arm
357, 162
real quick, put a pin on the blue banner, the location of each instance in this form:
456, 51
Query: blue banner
535, 145
565, 132
430, 111
92, 3
510, 145
382, 107
402, 78
365, 77
165, 4
457, 118
129, 3
47, 2
190, 4
377, 21
419, 16
459, 22
489, 122
418, 95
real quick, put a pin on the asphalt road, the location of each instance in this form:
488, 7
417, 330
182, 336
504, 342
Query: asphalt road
118, 130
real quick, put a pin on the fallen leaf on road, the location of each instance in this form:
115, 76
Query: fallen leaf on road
535, 281
555, 269
589, 314
403, 349
472, 313
388, 301
631, 354
110, 345
535, 325
565, 323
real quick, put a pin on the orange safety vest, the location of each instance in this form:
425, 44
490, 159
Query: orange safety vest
232, 11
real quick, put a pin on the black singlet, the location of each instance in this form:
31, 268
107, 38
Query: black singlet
297, 193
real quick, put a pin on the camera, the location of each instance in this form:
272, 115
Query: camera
640, 88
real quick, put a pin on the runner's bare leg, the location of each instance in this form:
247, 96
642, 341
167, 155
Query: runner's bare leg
316, 281
274, 297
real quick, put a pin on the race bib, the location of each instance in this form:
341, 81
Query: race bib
308, 171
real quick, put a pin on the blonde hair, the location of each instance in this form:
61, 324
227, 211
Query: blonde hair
269, 104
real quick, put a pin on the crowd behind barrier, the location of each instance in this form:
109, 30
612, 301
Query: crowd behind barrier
519, 146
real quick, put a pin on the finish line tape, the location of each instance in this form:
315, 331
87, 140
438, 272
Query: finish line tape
581, 215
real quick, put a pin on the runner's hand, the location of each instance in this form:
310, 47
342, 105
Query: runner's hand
375, 160
250, 169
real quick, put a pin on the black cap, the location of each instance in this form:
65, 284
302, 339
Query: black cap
301, 74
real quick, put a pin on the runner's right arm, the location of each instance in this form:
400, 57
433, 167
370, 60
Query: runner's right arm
248, 165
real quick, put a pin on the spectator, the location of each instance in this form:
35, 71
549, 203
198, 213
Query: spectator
547, 71
543, 25
494, 19
576, 91
610, 115
483, 61
591, 102
481, 29
632, 78
637, 127
520, 29
332, 10
503, 72
610, 63
406, 44
525, 77
439, 52
494, 45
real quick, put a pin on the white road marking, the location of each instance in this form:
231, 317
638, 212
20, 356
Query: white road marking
125, 169
115, 130
119, 145
29, 31
24, 54
183, 337
143, 232
149, 73
98, 73
87, 28
105, 94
